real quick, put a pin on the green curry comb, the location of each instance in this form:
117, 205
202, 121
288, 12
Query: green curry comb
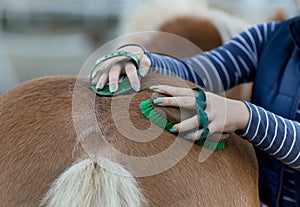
151, 114
124, 84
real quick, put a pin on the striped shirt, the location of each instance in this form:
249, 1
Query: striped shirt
233, 63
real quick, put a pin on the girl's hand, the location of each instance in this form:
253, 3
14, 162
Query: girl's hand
111, 70
224, 115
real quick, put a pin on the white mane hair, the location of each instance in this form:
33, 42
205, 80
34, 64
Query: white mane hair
88, 183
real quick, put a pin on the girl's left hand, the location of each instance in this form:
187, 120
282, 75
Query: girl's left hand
224, 114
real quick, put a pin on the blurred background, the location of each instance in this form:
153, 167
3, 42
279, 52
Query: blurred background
55, 37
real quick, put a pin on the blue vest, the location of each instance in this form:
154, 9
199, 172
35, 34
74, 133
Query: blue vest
277, 89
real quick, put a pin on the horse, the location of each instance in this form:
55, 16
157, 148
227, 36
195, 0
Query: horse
55, 135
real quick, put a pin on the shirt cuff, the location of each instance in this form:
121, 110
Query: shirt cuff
253, 123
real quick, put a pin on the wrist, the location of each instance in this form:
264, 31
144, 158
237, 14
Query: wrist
240, 114
245, 116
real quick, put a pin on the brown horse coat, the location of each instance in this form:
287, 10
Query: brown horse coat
38, 142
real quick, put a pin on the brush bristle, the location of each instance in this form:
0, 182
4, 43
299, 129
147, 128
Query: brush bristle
150, 113
216, 146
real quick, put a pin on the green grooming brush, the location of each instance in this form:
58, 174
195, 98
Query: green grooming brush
217, 146
150, 113
155, 117
124, 84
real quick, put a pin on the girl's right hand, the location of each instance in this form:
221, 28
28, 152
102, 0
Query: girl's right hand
111, 70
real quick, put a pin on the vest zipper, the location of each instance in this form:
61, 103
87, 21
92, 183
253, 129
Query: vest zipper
280, 186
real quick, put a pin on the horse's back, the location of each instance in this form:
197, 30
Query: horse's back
38, 141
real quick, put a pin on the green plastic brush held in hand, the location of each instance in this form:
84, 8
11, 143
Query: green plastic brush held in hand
124, 84
157, 118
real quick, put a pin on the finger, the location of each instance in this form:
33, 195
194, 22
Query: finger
113, 77
174, 91
196, 135
214, 135
192, 123
132, 75
95, 78
182, 101
102, 68
186, 125
144, 66
102, 81
97, 75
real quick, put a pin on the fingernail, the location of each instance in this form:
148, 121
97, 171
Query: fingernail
158, 100
143, 72
173, 130
136, 87
112, 88
187, 137
153, 87
98, 85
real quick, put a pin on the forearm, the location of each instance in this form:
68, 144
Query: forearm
222, 68
277, 136
211, 70
172, 66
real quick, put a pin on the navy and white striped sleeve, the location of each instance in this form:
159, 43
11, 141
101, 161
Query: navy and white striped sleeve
222, 68
278, 136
